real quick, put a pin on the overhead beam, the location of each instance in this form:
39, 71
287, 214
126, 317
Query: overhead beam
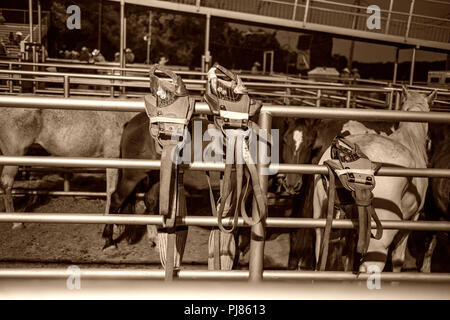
299, 25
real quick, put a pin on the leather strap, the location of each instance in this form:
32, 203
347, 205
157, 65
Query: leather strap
323, 255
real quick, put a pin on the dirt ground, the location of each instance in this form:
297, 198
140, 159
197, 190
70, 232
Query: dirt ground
59, 245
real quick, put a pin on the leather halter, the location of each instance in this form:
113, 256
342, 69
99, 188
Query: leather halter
169, 109
232, 108
356, 174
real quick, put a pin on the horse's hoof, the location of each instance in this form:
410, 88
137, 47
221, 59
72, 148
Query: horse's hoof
152, 243
18, 225
110, 247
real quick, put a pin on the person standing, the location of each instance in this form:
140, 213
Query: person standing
129, 56
163, 61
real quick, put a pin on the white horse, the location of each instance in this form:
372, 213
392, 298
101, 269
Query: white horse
67, 133
395, 198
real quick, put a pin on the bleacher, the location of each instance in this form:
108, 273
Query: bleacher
12, 50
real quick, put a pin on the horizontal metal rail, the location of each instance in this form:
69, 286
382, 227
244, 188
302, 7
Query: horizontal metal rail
149, 274
201, 166
210, 221
61, 76
137, 105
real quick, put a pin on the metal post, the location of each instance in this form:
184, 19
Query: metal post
10, 82
398, 97
99, 28
207, 31
349, 97
39, 23
390, 98
264, 62
111, 87
319, 95
408, 26
397, 50
122, 39
352, 43
122, 35
256, 259
149, 36
413, 62
30, 16
66, 86
305, 16
271, 61
388, 22
33, 49
295, 10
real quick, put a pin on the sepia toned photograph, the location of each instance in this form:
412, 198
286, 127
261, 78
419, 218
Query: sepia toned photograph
225, 154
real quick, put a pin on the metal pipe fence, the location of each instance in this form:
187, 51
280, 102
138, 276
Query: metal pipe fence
242, 275
256, 271
201, 221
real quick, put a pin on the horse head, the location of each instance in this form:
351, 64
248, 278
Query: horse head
415, 101
298, 140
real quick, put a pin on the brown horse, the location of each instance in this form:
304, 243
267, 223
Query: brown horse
438, 196
67, 133
395, 198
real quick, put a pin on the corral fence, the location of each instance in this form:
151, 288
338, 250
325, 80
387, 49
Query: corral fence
105, 81
256, 271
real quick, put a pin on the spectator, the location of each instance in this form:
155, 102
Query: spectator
61, 54
345, 75
84, 54
67, 54
18, 37
97, 56
255, 67
163, 60
117, 57
2, 18
129, 56
75, 55
2, 48
355, 73
11, 38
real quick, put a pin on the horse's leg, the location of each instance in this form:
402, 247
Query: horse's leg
6, 184
426, 265
319, 210
125, 186
375, 258
151, 200
399, 252
112, 175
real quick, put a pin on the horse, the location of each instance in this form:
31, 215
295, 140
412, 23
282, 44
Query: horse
315, 135
437, 206
67, 133
395, 198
